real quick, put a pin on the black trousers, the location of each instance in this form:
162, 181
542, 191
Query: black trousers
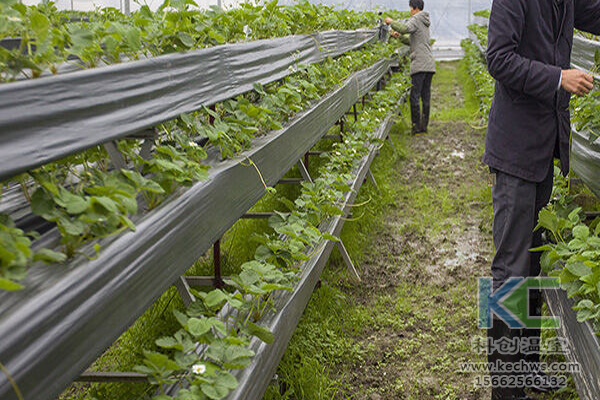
420, 91
517, 203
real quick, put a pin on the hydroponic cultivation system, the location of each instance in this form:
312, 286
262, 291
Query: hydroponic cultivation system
572, 254
131, 144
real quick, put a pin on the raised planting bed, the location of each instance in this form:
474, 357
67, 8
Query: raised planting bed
47, 119
68, 315
289, 306
584, 347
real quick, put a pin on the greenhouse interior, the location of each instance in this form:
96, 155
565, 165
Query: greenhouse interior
299, 200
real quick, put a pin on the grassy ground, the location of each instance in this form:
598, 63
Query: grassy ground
421, 243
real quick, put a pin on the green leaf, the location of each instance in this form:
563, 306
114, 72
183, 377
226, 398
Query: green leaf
548, 220
227, 380
328, 236
214, 391
215, 298
262, 333
581, 232
217, 37
583, 304
181, 317
132, 38
74, 204
578, 269
186, 39
40, 25
41, 203
198, 327
169, 343
9, 285
105, 202
48, 256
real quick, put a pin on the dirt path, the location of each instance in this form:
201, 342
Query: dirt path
402, 333
420, 277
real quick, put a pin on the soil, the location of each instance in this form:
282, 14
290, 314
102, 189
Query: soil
420, 273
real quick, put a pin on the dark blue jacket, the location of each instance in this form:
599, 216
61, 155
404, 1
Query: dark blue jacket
529, 120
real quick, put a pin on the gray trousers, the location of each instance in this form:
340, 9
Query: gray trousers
517, 203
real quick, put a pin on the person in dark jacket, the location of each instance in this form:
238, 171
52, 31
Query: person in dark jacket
422, 65
529, 54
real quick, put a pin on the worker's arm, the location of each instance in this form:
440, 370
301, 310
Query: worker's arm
402, 27
530, 77
587, 16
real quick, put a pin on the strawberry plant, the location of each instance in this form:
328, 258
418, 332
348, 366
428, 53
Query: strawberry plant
484, 83
107, 36
585, 108
481, 32
294, 235
87, 201
573, 252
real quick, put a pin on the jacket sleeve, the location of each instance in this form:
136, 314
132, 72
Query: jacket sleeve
526, 76
404, 27
587, 16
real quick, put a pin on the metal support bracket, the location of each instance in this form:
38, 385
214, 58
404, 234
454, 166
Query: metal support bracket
184, 291
112, 377
371, 177
348, 261
258, 215
304, 172
115, 155
389, 139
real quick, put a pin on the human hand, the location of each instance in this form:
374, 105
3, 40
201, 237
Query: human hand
395, 34
577, 82
388, 20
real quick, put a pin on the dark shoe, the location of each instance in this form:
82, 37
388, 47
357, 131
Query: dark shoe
509, 394
543, 383
501, 331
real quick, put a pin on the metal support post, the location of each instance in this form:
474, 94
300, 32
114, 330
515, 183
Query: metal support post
371, 177
348, 261
115, 155
304, 172
184, 291
217, 264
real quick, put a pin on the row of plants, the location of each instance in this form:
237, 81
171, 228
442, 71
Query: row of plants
585, 108
88, 201
572, 253
481, 33
483, 13
107, 36
293, 237
477, 69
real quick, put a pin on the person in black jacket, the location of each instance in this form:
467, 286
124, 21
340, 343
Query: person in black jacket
528, 54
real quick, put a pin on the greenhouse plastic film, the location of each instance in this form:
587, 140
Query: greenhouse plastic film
585, 160
583, 345
46, 119
254, 379
584, 52
68, 315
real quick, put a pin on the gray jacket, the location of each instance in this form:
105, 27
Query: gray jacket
421, 55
